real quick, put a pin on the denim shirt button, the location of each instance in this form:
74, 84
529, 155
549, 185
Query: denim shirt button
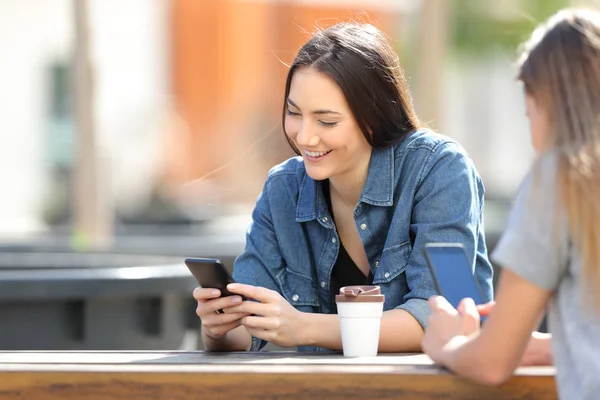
376, 263
323, 284
333, 240
386, 275
324, 219
295, 297
363, 226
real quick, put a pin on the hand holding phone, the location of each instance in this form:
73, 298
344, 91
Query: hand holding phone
210, 275
452, 273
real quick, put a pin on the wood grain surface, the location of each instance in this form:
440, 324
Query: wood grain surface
197, 375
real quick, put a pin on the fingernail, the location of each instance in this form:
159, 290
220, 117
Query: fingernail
231, 286
215, 292
236, 299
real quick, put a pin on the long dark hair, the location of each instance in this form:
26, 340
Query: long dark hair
364, 65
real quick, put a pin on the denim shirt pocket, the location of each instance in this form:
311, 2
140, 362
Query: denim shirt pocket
298, 289
393, 262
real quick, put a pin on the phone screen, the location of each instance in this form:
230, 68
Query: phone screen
452, 273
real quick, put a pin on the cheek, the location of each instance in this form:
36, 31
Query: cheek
292, 126
538, 133
347, 138
355, 138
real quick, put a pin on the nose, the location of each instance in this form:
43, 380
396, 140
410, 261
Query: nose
306, 137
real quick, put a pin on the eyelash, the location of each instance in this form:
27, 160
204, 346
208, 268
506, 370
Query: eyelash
328, 124
325, 124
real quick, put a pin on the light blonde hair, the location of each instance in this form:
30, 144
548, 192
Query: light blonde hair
560, 68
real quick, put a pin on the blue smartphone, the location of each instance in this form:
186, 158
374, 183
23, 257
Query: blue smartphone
452, 273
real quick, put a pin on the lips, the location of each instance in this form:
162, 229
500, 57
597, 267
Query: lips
316, 154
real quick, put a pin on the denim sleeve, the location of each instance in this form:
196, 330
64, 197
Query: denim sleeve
448, 207
257, 264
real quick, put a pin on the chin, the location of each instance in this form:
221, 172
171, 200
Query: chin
318, 174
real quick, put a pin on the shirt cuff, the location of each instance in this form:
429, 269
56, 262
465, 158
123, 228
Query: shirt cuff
419, 309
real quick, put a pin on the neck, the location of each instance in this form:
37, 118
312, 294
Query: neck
349, 186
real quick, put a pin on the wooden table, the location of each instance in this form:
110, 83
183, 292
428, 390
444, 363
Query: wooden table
267, 375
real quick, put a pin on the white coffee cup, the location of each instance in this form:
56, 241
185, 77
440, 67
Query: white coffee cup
360, 309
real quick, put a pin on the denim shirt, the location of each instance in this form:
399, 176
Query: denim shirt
420, 190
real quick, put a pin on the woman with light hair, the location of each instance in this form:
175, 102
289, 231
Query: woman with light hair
550, 250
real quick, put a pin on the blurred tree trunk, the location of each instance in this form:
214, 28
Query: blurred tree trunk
433, 44
93, 216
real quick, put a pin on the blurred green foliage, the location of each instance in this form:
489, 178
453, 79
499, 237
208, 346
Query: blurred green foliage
479, 26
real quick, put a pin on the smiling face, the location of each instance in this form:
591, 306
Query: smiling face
322, 127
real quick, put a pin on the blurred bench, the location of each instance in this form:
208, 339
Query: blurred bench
93, 301
275, 375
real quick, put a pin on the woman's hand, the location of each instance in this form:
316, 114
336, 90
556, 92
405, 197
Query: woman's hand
216, 325
446, 324
485, 309
271, 317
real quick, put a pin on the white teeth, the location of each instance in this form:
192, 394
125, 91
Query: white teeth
315, 153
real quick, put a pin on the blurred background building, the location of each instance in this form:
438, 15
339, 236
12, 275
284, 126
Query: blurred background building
187, 94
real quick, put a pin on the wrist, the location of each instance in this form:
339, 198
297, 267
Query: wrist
206, 334
210, 342
238, 339
308, 332
450, 350
321, 330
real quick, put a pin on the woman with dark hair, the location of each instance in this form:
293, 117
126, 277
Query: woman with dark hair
368, 190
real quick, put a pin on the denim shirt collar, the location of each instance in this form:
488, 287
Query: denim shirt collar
378, 190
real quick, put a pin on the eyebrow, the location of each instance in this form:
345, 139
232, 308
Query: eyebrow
291, 103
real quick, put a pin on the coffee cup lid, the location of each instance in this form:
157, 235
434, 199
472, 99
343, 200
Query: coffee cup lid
360, 294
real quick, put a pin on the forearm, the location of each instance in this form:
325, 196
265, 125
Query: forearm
237, 339
475, 357
461, 357
464, 356
491, 355
400, 332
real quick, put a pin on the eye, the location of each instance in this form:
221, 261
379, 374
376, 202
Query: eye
292, 113
328, 124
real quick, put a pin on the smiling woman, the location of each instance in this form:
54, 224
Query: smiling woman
331, 142
369, 189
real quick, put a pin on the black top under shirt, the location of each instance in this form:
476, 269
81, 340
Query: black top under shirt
345, 272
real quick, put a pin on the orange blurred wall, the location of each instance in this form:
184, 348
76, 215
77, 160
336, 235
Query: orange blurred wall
228, 76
